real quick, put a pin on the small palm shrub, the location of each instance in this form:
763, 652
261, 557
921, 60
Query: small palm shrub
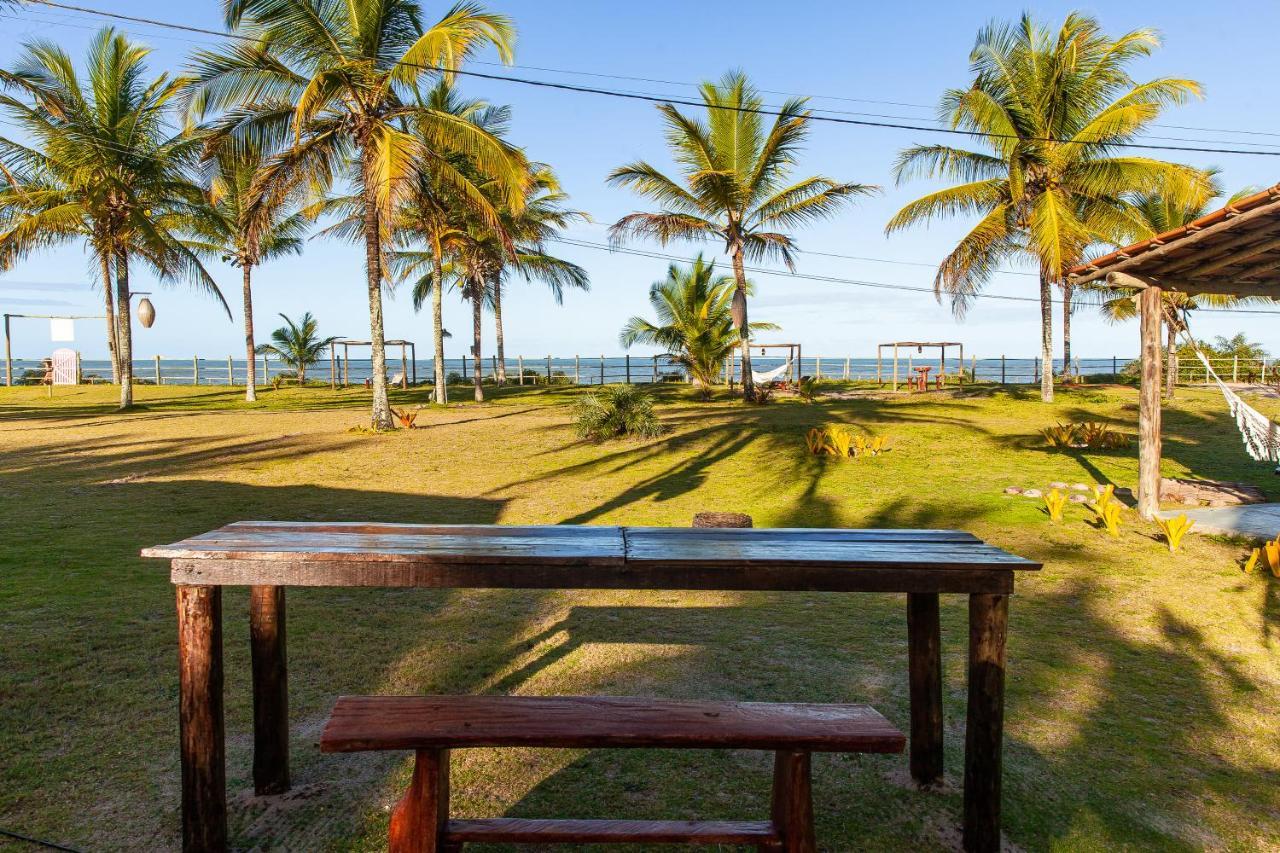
808, 389
616, 410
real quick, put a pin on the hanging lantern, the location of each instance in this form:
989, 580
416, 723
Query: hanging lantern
146, 313
919, 350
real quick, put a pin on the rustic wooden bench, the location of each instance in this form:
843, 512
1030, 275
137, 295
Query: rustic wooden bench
433, 725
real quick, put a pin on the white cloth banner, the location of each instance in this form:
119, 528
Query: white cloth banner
62, 329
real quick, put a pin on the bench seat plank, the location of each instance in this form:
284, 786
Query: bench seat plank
514, 830
360, 723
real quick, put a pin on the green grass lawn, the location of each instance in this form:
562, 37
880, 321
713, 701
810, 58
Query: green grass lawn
1143, 687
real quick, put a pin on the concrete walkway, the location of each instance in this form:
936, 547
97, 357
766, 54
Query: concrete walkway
1253, 520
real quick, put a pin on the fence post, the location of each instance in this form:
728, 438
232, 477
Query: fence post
1177, 368
1264, 372
548, 369
157, 370
520, 367
602, 368
846, 369
1235, 368
1002, 374
817, 367
1036, 377
1115, 367
464, 368
655, 369
231, 374
266, 371
195, 370
577, 370
627, 358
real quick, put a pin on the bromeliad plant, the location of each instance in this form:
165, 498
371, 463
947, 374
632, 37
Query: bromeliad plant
1055, 502
1107, 509
1271, 551
840, 442
1093, 435
405, 418
1174, 529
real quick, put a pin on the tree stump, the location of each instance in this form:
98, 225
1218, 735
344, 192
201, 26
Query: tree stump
722, 519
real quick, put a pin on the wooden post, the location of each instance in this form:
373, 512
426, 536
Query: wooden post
924, 653
577, 370
79, 369
346, 365
333, 369
1036, 369
1235, 368
404, 368
231, 372
200, 726
413, 362
895, 367
984, 729
464, 368
419, 819
879, 358
270, 690
548, 369
266, 370
817, 367
792, 805
157, 370
846, 369
520, 367
8, 355
1115, 367
1149, 404
195, 370
1002, 373
627, 359
602, 368
655, 369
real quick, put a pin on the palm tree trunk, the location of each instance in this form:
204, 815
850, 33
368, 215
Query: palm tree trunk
477, 303
251, 371
381, 415
497, 323
1067, 291
1171, 358
1046, 336
441, 390
740, 323
124, 331
109, 308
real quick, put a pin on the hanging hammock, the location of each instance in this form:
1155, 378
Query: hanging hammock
771, 375
1260, 434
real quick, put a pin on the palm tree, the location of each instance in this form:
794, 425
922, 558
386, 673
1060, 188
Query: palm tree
733, 185
529, 227
1148, 215
249, 228
108, 167
1053, 106
340, 80
432, 213
695, 321
297, 345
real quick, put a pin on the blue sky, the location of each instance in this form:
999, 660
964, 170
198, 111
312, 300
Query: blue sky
888, 59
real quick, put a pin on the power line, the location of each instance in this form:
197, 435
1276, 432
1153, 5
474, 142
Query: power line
657, 80
656, 99
876, 285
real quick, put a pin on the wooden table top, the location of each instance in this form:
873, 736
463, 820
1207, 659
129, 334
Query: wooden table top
364, 554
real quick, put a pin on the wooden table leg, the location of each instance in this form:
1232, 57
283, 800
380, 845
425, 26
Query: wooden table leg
984, 731
792, 805
419, 819
270, 690
200, 725
924, 653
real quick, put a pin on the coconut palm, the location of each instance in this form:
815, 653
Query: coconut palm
539, 219
1053, 105
297, 344
432, 213
1148, 215
694, 323
734, 184
109, 166
249, 227
339, 81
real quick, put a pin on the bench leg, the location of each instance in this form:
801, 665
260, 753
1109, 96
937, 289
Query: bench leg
793, 801
418, 821
924, 653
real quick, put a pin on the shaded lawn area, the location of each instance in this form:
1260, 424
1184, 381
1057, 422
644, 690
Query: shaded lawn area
1143, 687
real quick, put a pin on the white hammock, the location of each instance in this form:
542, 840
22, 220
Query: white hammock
1261, 436
771, 375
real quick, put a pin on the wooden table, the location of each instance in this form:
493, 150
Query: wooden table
269, 556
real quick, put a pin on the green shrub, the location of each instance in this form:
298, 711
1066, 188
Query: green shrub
616, 410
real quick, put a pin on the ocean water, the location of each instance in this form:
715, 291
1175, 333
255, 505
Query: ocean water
582, 370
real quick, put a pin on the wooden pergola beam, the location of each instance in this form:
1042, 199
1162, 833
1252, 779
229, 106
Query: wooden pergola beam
1194, 287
